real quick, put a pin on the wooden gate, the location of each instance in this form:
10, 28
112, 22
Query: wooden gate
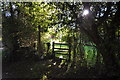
62, 49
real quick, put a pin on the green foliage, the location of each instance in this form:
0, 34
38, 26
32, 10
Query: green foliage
41, 14
16, 28
90, 55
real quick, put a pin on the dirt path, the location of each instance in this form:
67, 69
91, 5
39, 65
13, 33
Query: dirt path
25, 69
33, 69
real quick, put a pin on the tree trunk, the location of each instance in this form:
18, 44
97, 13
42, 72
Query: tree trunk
39, 42
109, 61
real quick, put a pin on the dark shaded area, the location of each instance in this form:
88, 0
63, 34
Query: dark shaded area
93, 41
49, 69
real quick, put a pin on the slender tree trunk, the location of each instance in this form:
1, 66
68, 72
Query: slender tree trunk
39, 42
74, 52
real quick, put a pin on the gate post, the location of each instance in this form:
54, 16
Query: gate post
69, 52
53, 53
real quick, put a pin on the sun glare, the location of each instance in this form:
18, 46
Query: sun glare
85, 12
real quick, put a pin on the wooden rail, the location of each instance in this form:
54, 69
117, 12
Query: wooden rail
62, 48
61, 44
63, 53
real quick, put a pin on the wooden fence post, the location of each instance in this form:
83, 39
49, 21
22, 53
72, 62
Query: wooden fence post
69, 52
53, 53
